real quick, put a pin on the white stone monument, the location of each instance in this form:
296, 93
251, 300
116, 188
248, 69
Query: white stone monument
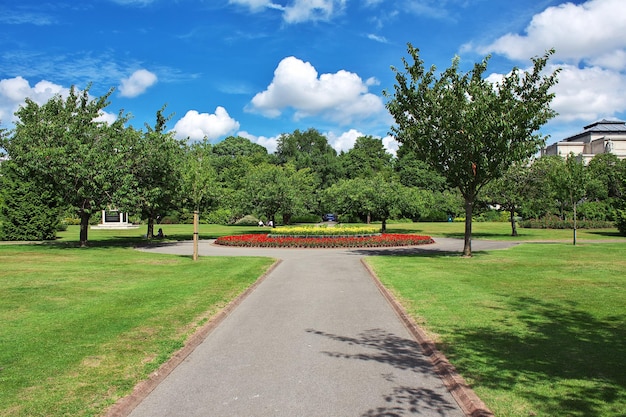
114, 220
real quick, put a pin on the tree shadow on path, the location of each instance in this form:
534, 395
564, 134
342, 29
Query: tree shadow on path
403, 354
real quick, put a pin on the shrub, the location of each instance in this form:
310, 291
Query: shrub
29, 211
307, 218
248, 220
219, 216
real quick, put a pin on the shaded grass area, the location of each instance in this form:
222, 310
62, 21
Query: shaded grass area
173, 233
80, 327
536, 330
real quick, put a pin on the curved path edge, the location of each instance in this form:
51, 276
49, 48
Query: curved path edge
464, 395
124, 406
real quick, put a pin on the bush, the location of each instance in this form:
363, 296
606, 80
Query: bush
248, 220
219, 216
620, 221
29, 212
307, 218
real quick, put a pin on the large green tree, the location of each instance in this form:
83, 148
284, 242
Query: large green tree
273, 189
153, 180
469, 129
64, 145
310, 149
367, 157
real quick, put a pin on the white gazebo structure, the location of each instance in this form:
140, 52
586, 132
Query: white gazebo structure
113, 220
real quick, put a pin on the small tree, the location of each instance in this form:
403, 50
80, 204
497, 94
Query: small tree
468, 129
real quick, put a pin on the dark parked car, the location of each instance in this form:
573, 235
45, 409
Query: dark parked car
329, 217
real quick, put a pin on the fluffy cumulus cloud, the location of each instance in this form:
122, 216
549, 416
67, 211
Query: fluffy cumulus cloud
137, 83
196, 126
297, 11
588, 32
269, 143
14, 91
341, 97
345, 141
590, 48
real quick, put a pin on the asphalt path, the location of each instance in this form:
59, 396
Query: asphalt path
315, 338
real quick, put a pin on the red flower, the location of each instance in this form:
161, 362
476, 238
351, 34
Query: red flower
384, 240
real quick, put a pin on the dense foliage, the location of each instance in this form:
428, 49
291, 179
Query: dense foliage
469, 130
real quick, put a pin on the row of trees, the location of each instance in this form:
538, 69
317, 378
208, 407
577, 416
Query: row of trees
465, 142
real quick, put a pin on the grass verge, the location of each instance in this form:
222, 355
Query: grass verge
539, 329
80, 327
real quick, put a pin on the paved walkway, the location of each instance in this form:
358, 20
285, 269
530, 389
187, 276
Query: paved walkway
315, 338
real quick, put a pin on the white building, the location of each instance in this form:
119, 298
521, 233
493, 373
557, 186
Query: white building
604, 136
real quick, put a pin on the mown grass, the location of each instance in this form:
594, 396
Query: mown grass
80, 327
502, 231
539, 329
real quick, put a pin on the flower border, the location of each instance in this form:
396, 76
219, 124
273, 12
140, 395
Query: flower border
383, 240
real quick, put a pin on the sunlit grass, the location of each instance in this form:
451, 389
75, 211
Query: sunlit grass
539, 329
80, 327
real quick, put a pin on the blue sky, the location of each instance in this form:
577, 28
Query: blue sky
261, 68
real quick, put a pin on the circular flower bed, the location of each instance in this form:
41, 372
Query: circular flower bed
383, 240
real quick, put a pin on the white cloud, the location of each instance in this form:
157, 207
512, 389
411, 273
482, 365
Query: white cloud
254, 5
391, 144
341, 97
14, 91
588, 94
137, 83
297, 11
345, 141
377, 38
305, 10
584, 32
269, 143
590, 48
196, 126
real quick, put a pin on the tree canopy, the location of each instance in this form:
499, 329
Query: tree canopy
466, 128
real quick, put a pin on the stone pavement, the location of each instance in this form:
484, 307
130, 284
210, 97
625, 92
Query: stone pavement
316, 337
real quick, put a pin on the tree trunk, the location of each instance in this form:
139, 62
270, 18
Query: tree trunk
84, 227
150, 231
196, 221
513, 225
384, 227
469, 209
575, 224
369, 217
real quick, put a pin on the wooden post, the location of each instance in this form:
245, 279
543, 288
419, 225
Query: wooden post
195, 235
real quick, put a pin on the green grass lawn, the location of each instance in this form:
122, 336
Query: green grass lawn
80, 327
539, 329
501, 231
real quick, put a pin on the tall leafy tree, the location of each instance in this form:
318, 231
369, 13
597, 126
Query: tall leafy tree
273, 189
310, 149
63, 144
468, 129
153, 179
367, 157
